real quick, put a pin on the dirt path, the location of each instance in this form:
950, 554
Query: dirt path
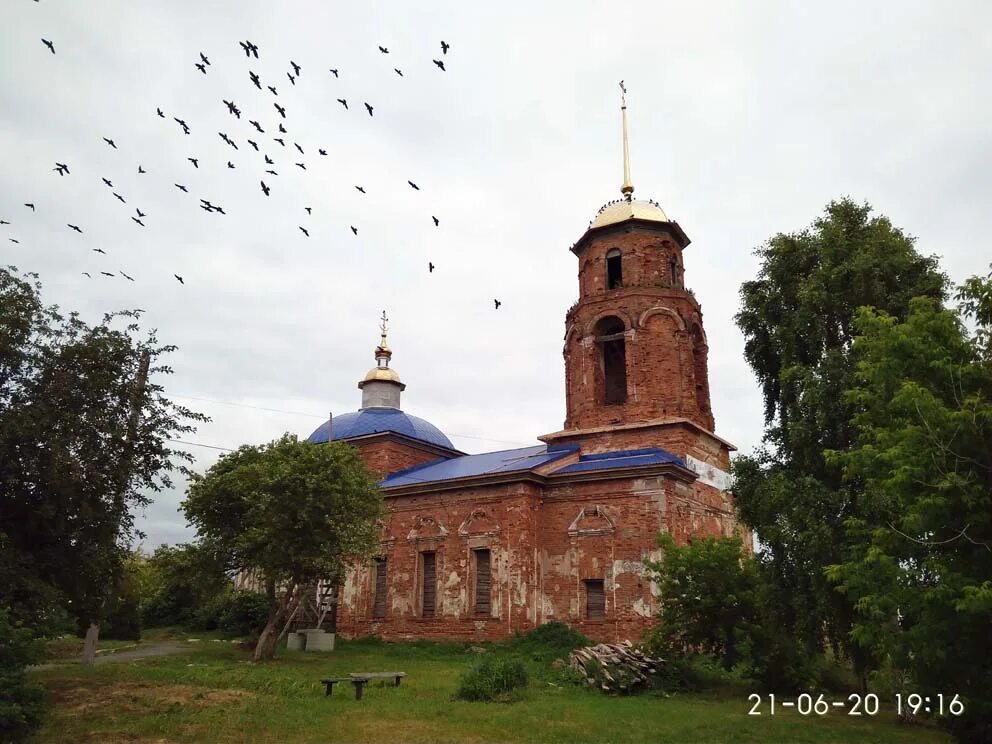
162, 648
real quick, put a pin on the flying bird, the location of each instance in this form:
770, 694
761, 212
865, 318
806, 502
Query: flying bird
272, 172
296, 67
253, 145
74, 227
430, 268
253, 48
14, 240
334, 72
138, 221
343, 102
120, 198
232, 108
414, 186
445, 46
398, 71
110, 142
246, 48
140, 213
86, 273
254, 78
4, 222
106, 273
194, 161
299, 148
141, 170
272, 89
159, 112
183, 124
49, 44
204, 58
127, 277
436, 221
354, 229
383, 50
181, 188
301, 165
322, 152
308, 210
108, 183
280, 141
30, 205
440, 64
230, 164
498, 303
305, 231
179, 278
200, 67
291, 78
257, 126
280, 109
62, 168
360, 189
269, 161
369, 109
282, 129
265, 189
100, 250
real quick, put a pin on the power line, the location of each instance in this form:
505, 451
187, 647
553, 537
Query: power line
324, 417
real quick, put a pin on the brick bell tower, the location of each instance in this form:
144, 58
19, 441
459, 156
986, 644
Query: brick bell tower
635, 350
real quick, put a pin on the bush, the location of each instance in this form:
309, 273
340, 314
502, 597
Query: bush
549, 641
493, 679
22, 702
237, 612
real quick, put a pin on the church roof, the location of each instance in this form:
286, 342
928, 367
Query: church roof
623, 459
376, 420
624, 209
487, 463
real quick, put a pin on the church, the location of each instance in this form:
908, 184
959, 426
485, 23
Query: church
483, 546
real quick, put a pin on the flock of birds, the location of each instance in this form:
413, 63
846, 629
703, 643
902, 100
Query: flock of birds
269, 175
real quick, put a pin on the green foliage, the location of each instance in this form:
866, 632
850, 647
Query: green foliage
236, 612
22, 702
799, 320
918, 558
68, 483
178, 581
707, 597
289, 510
547, 642
493, 678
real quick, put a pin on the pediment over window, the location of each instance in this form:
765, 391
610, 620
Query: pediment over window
591, 520
427, 528
478, 523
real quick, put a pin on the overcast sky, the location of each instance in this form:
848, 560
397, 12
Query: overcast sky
746, 119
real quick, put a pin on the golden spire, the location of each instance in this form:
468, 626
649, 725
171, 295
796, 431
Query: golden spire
382, 330
628, 188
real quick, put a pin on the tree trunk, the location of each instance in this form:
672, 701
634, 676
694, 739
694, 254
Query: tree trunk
265, 649
89, 643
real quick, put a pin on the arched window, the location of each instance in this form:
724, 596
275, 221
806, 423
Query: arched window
614, 272
674, 266
613, 360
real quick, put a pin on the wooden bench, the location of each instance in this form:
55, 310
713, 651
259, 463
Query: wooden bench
359, 680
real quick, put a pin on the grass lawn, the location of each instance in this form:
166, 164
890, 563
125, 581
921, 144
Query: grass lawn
214, 693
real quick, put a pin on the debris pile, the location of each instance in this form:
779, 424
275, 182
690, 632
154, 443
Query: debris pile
614, 667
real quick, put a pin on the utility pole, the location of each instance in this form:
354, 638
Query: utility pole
123, 477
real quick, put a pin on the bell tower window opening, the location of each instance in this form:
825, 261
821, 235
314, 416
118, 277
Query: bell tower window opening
612, 343
614, 270
674, 266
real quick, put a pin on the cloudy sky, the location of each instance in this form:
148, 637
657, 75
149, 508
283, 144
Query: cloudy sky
746, 119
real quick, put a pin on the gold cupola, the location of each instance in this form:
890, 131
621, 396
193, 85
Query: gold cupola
381, 386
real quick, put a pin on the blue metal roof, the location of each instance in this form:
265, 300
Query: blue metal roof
622, 459
487, 463
375, 420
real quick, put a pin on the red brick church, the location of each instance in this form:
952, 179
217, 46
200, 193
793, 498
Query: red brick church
482, 546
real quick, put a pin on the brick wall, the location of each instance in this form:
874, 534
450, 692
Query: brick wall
385, 456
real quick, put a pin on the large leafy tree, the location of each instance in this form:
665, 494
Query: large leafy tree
918, 561
798, 318
80, 448
292, 512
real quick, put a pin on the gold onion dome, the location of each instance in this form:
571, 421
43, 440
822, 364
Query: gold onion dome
384, 374
622, 209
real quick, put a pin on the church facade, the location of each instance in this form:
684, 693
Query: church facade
482, 546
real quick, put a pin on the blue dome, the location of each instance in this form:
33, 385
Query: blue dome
374, 420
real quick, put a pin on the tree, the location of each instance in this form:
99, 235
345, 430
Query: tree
707, 592
798, 318
918, 558
74, 461
290, 510
180, 579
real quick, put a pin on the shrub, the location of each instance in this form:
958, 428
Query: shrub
493, 679
236, 612
549, 641
22, 702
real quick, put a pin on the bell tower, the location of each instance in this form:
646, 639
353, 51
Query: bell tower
635, 350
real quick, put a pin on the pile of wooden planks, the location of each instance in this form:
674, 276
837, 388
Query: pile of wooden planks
614, 667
